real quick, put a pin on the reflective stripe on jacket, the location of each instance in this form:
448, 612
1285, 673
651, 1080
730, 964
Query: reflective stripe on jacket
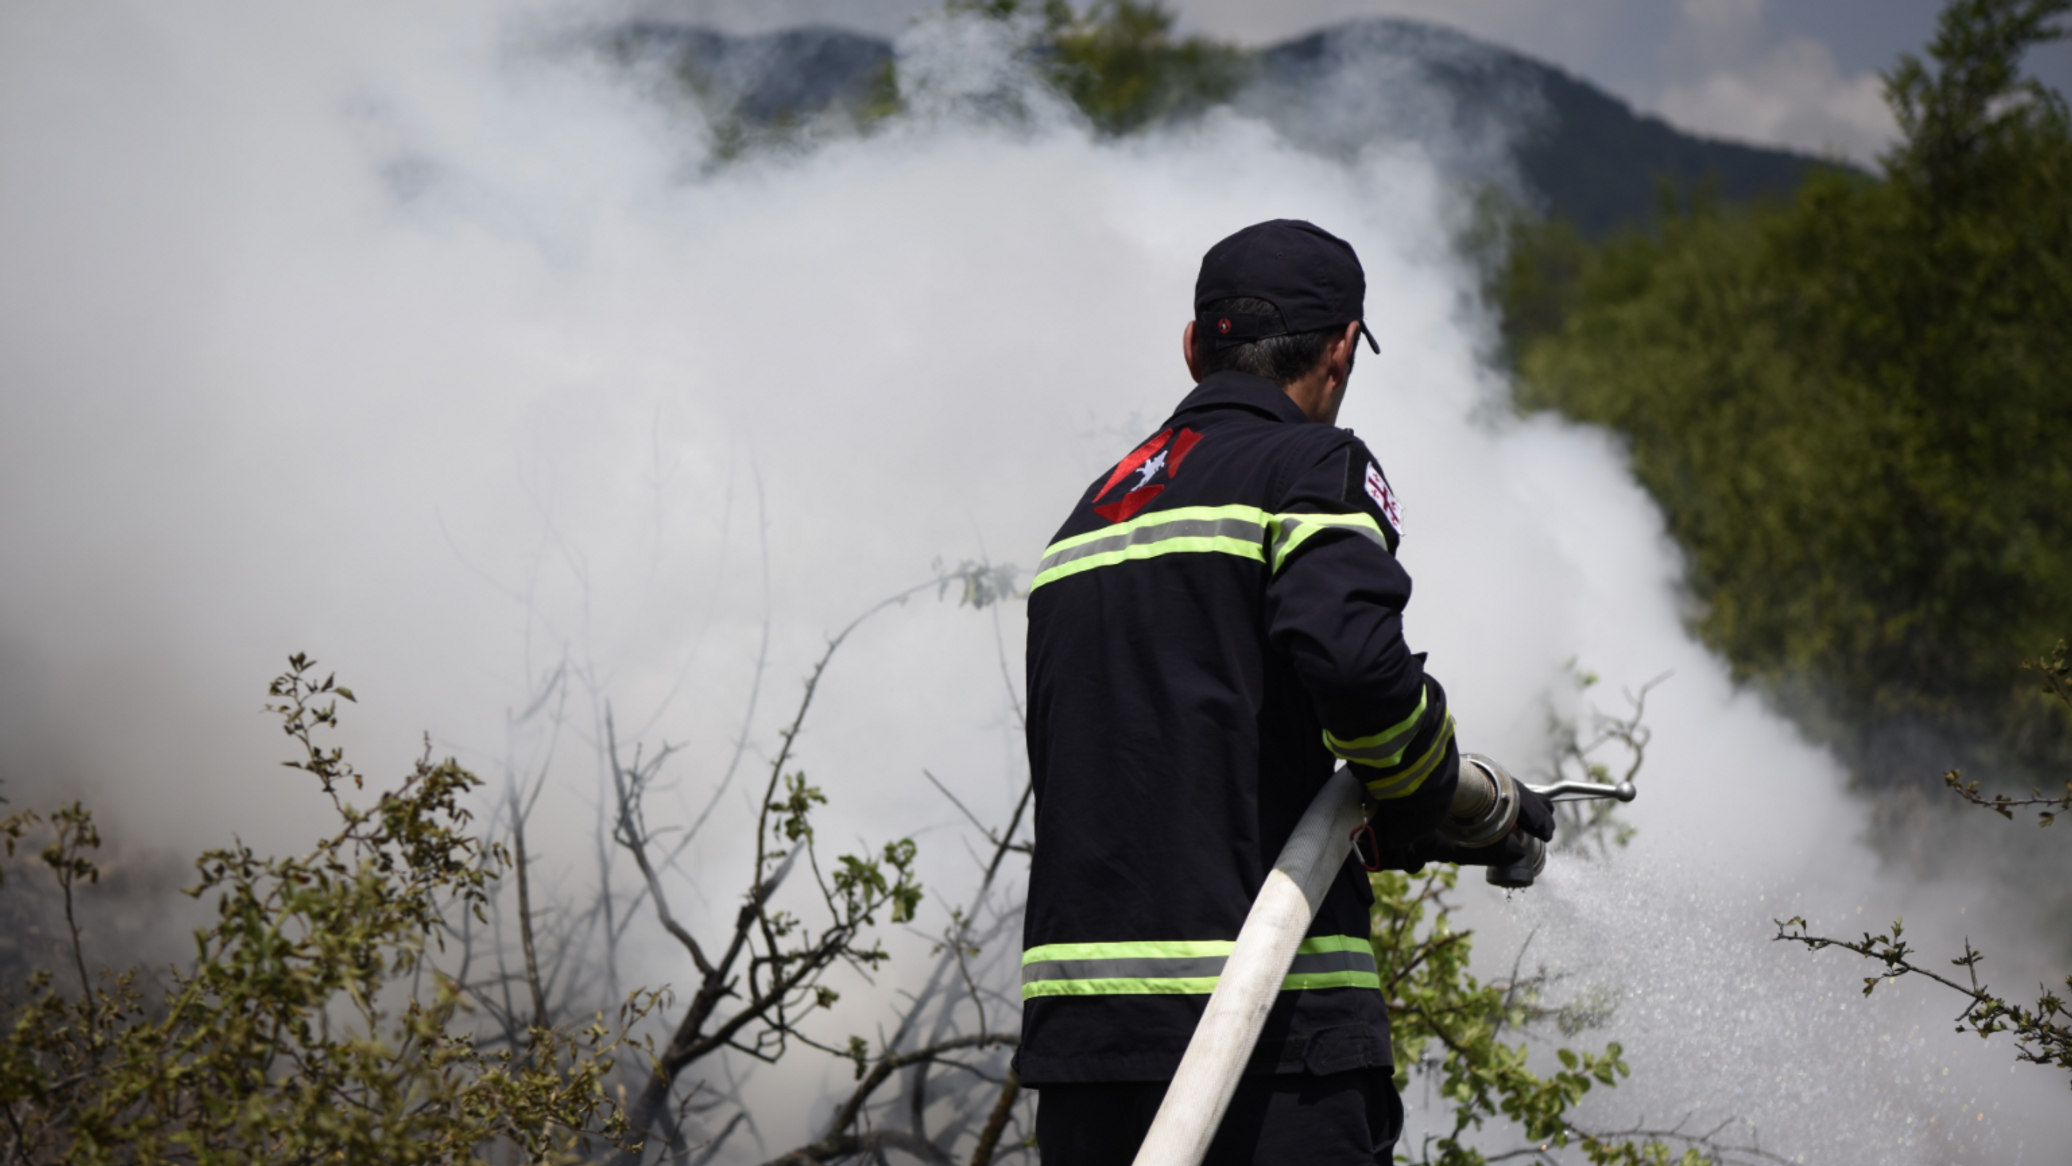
1214, 628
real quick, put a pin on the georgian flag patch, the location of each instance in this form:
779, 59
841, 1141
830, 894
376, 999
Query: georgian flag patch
1378, 489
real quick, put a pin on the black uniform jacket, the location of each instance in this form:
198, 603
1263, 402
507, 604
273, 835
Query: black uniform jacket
1215, 627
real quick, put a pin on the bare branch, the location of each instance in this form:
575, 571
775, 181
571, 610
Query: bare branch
525, 937
852, 1145
955, 801
893, 1062
631, 833
838, 1142
989, 1137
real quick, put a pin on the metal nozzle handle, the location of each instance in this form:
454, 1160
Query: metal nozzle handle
1582, 791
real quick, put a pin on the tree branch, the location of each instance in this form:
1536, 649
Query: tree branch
989, 1137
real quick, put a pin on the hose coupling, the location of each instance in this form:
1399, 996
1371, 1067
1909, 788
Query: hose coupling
1485, 804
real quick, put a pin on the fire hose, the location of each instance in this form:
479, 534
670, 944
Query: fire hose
1484, 812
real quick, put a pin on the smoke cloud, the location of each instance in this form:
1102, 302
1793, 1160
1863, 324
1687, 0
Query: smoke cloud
452, 355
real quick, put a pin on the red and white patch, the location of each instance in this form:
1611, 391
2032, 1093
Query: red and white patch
1378, 489
1148, 460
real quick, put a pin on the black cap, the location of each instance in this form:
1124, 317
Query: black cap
1308, 273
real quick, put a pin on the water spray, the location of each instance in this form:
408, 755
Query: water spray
1484, 813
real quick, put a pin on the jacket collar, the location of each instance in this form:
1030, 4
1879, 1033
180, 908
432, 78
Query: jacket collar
1242, 390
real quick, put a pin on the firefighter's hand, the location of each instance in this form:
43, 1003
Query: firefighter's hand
1434, 848
1535, 814
1411, 859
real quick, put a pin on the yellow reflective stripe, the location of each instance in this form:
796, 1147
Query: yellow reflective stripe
1366, 750
1232, 530
1191, 986
1147, 949
1133, 968
1170, 546
1294, 529
1406, 783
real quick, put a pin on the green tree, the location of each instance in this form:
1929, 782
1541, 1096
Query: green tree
1855, 409
1119, 61
299, 1033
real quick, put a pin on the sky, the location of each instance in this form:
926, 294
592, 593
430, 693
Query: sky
1795, 73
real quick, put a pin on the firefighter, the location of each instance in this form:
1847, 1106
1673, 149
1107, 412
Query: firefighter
1216, 626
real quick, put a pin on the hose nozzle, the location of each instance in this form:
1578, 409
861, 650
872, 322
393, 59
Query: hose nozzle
1485, 812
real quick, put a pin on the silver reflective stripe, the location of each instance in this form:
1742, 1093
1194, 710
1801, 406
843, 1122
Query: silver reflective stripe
1388, 752
1292, 530
1385, 748
1134, 969
1137, 536
1206, 967
1405, 782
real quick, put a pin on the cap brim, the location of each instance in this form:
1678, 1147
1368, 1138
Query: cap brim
1371, 341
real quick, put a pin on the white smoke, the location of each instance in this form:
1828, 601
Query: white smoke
401, 339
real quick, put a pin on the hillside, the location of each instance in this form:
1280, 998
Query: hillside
1580, 153
1481, 111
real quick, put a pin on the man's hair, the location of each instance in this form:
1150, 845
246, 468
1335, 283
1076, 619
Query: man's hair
1280, 359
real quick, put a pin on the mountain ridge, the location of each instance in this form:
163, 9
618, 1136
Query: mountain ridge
1553, 141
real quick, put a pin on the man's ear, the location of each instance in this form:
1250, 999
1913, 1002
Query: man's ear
1341, 352
1187, 352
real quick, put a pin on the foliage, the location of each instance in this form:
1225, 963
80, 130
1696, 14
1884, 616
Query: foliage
1119, 61
299, 1033
2042, 1031
1533, 271
1854, 409
1434, 1000
1122, 66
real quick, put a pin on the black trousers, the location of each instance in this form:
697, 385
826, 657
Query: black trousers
1292, 1119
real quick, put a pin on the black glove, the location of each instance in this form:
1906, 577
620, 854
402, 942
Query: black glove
1535, 814
1431, 848
1535, 817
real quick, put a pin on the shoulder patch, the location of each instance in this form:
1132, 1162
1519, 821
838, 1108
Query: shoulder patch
1155, 463
1377, 488
1368, 489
